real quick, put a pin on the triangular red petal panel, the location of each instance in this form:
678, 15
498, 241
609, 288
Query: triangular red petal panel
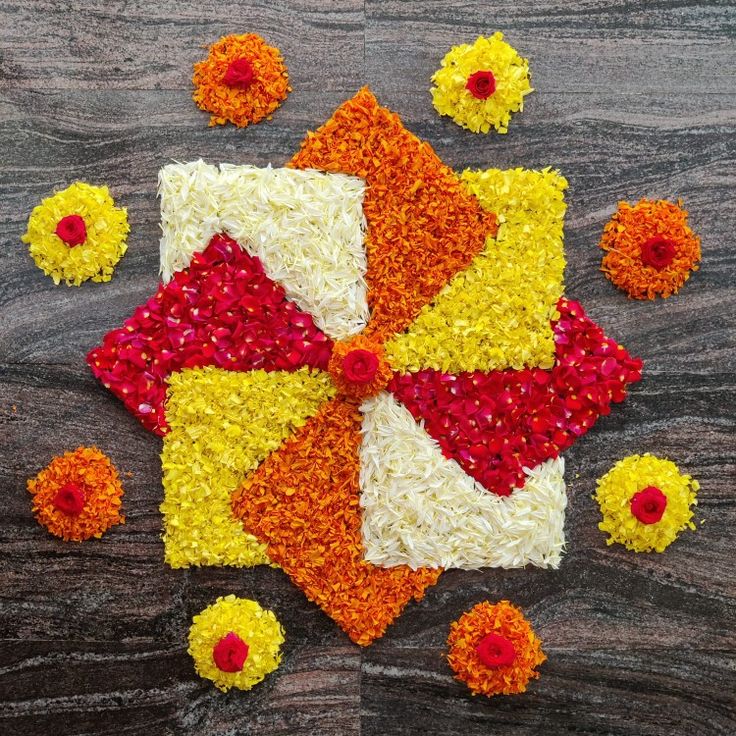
222, 310
494, 424
303, 503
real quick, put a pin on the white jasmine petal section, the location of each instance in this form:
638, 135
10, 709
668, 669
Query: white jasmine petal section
421, 509
306, 227
190, 212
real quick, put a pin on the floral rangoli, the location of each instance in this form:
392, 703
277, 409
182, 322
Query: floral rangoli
363, 367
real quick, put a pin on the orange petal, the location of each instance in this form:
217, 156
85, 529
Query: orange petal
303, 503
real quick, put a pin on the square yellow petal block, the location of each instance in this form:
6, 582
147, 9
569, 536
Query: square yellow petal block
223, 424
496, 314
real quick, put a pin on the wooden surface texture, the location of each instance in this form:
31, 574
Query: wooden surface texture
634, 98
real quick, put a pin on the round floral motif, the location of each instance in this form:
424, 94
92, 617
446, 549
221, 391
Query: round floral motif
480, 85
494, 650
645, 502
242, 80
235, 643
78, 495
77, 234
359, 367
650, 248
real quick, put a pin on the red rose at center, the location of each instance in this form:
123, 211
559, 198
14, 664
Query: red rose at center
239, 74
230, 653
495, 651
360, 366
72, 230
481, 84
648, 505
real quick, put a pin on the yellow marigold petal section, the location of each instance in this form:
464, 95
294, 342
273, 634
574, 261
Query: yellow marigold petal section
106, 231
257, 627
511, 74
223, 424
496, 313
628, 477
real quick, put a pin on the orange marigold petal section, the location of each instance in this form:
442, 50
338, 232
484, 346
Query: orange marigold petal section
423, 225
78, 495
303, 503
466, 657
650, 248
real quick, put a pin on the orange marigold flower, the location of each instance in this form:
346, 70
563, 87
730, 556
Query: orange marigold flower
359, 367
242, 80
494, 650
78, 495
650, 249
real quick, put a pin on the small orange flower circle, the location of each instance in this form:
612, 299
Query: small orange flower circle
242, 80
493, 649
359, 368
77, 495
650, 249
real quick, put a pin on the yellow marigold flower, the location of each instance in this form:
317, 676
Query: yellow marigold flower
235, 643
480, 85
77, 234
645, 502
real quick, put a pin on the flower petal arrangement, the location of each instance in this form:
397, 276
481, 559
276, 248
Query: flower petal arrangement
242, 81
650, 250
646, 502
494, 650
78, 495
235, 643
480, 85
77, 234
306, 363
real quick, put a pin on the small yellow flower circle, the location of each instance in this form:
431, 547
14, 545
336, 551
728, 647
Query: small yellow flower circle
94, 238
633, 476
252, 625
471, 96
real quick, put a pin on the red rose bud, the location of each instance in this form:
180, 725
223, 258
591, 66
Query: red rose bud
360, 366
481, 84
239, 74
648, 505
230, 653
72, 230
658, 252
496, 651
69, 499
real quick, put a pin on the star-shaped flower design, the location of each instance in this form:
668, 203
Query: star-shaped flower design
371, 406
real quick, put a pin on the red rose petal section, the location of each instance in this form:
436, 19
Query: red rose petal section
223, 310
495, 424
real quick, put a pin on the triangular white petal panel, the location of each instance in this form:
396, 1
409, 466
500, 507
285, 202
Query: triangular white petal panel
421, 509
306, 227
